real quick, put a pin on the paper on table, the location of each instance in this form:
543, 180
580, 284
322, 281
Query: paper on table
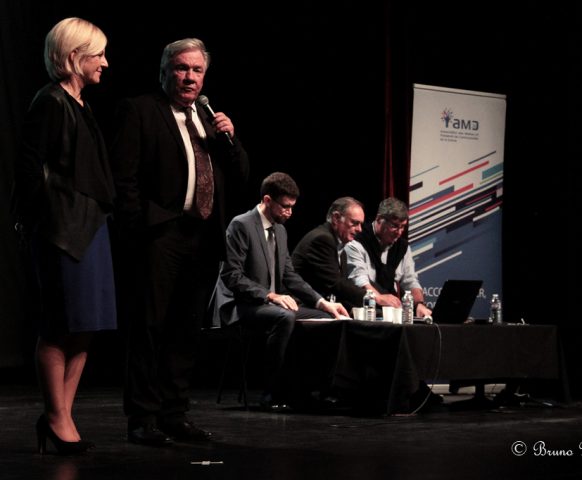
316, 319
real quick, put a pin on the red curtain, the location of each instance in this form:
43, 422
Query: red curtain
398, 108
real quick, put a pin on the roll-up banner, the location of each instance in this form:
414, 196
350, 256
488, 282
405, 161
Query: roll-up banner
456, 189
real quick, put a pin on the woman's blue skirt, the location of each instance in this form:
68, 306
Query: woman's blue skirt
77, 296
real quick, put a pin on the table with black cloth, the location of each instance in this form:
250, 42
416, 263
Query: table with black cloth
383, 363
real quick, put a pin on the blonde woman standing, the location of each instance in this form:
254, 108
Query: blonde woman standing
63, 197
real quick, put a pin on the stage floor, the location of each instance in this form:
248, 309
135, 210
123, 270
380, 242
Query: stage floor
439, 444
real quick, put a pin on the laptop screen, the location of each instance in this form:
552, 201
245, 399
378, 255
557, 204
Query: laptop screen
455, 301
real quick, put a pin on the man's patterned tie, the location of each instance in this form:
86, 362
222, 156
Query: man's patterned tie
204, 193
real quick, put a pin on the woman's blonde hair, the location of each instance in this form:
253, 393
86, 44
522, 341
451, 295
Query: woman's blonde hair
71, 35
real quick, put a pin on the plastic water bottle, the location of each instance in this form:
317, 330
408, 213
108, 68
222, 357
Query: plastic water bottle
407, 308
495, 313
370, 305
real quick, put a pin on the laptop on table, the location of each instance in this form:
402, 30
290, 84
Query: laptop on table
455, 301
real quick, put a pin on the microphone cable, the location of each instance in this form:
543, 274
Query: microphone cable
438, 344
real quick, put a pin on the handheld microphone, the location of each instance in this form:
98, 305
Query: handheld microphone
203, 100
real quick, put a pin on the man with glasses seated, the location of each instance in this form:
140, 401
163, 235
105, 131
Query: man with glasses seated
259, 287
380, 259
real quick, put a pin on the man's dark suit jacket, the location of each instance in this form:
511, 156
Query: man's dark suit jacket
245, 273
151, 169
316, 259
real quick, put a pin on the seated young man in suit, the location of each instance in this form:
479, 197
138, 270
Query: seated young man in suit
259, 286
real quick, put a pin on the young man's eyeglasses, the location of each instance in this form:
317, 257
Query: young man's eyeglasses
287, 207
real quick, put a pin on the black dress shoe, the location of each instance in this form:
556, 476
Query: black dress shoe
330, 402
184, 430
149, 435
435, 399
274, 407
427, 403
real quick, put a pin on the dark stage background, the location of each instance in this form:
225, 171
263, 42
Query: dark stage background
323, 91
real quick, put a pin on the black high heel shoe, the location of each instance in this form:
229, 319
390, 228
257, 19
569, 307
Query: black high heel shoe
44, 431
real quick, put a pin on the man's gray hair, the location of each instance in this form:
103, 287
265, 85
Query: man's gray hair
179, 46
341, 205
392, 209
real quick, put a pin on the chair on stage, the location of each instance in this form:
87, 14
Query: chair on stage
224, 318
238, 347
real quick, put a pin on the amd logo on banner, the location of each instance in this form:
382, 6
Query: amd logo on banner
458, 123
